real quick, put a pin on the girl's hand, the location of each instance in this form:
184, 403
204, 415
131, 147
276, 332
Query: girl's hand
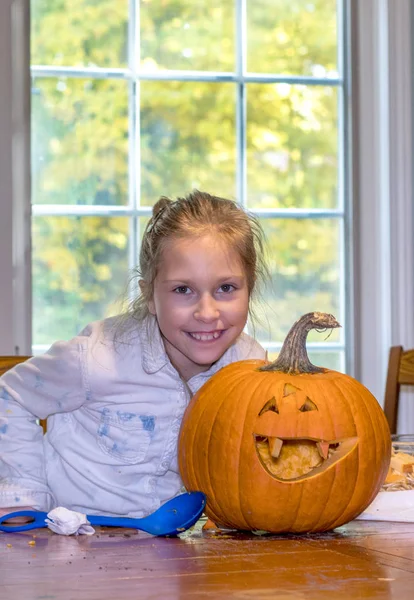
17, 520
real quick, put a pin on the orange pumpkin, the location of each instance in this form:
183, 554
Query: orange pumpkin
285, 446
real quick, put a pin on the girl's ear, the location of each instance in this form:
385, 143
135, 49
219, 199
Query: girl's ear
144, 287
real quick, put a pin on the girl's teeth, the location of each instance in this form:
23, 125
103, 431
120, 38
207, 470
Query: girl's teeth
205, 337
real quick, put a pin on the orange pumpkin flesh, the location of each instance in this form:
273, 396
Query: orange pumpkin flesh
299, 451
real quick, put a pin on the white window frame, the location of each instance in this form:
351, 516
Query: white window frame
133, 76
380, 312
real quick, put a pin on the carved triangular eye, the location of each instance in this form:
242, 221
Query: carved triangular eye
308, 405
270, 405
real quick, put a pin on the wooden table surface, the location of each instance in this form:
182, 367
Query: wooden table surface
360, 560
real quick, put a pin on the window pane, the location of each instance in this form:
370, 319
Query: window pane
326, 359
187, 138
79, 32
329, 360
304, 262
292, 146
292, 36
80, 268
79, 141
197, 35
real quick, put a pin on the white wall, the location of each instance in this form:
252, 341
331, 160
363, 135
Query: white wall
15, 282
6, 184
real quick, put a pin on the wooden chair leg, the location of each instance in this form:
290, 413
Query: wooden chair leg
392, 388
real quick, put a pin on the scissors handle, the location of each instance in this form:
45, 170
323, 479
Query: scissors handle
38, 521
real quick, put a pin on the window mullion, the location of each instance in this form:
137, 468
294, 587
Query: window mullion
134, 159
240, 63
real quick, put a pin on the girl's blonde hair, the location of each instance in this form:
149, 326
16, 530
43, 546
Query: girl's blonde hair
195, 215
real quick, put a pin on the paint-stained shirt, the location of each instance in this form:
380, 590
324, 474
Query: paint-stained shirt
114, 405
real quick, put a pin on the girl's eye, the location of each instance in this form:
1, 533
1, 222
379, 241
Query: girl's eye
182, 289
227, 287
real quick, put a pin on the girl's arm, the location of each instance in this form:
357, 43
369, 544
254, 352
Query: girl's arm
35, 389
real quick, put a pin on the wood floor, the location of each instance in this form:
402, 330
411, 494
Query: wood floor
360, 560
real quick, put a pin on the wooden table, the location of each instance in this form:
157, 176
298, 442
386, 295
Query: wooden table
360, 560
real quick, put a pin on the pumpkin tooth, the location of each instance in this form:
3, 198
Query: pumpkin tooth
275, 446
323, 449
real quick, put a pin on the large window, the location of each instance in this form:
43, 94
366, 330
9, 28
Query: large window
240, 98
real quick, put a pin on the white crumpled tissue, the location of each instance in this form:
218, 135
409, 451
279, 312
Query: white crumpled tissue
68, 522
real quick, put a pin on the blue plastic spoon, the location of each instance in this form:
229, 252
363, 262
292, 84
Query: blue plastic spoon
173, 517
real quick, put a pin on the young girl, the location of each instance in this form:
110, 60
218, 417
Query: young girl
114, 396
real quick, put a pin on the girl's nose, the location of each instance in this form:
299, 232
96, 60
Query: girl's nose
206, 309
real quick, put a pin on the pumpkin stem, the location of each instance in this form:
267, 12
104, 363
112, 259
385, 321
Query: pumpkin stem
293, 358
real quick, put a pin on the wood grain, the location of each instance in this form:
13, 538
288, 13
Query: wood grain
400, 372
406, 373
8, 362
359, 560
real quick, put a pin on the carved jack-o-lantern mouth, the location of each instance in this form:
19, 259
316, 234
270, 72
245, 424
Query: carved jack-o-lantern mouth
294, 459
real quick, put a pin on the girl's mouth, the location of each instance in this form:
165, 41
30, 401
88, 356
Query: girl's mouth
205, 336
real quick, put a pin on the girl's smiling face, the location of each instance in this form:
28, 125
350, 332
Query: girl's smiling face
201, 301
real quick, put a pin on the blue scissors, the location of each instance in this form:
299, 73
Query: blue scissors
172, 518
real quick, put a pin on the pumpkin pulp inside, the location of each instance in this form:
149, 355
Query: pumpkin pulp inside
289, 459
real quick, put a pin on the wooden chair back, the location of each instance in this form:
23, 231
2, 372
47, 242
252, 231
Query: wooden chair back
400, 372
8, 362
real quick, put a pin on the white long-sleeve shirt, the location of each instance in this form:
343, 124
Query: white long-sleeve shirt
114, 412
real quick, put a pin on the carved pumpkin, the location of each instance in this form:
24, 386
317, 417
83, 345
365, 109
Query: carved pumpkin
285, 446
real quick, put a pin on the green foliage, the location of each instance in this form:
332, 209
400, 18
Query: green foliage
79, 267
80, 141
176, 34
292, 37
78, 33
81, 144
